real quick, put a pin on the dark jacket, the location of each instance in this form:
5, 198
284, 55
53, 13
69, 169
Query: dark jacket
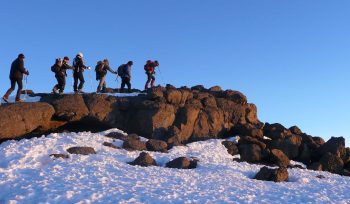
78, 65
101, 69
17, 69
64, 68
126, 71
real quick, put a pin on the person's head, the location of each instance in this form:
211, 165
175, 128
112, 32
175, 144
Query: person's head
66, 59
149, 62
156, 63
59, 61
106, 62
130, 63
21, 56
80, 55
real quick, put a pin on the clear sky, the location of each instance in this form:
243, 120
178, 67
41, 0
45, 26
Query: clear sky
291, 58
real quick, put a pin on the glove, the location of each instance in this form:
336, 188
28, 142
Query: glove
88, 67
27, 73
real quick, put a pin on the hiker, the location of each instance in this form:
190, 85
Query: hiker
124, 71
79, 67
150, 67
101, 71
60, 69
16, 76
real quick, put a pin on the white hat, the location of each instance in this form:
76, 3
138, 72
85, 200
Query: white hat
80, 54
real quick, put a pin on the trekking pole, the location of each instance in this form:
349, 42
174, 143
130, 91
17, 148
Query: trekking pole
91, 85
161, 76
25, 86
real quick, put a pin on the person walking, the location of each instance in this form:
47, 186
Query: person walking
101, 72
150, 67
78, 74
124, 71
60, 69
16, 76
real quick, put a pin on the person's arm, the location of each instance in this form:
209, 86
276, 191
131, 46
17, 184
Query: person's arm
110, 70
21, 67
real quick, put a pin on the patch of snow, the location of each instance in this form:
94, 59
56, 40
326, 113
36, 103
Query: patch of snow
29, 175
24, 97
124, 94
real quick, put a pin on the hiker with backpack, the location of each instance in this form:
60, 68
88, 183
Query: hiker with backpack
60, 69
78, 74
16, 76
150, 67
124, 71
101, 71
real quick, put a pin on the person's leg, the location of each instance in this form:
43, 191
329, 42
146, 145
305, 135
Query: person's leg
82, 81
11, 89
63, 84
101, 83
153, 80
128, 84
148, 80
75, 86
122, 85
19, 90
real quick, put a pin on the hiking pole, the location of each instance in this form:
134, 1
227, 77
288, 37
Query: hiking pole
161, 76
91, 85
25, 86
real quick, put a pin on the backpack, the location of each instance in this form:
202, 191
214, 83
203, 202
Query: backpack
121, 70
99, 70
55, 69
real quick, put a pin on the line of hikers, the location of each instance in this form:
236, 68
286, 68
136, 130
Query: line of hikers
62, 65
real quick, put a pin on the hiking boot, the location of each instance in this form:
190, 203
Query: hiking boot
54, 91
19, 100
5, 99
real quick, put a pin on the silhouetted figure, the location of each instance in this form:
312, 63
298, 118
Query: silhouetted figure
16, 76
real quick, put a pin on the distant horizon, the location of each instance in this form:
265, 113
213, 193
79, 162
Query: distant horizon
289, 58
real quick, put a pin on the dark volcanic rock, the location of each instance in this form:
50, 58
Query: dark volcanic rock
60, 156
156, 145
316, 166
81, 150
276, 131
335, 145
144, 159
117, 135
22, 118
276, 175
295, 130
332, 163
231, 147
133, 144
182, 163
108, 144
250, 152
279, 158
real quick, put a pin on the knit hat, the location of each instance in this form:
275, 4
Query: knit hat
80, 54
21, 55
66, 58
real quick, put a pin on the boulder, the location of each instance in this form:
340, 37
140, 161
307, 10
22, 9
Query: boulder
156, 145
70, 107
250, 152
316, 166
182, 163
295, 130
251, 140
108, 144
235, 96
60, 156
117, 135
247, 130
215, 89
276, 175
81, 150
335, 146
198, 88
279, 158
144, 159
173, 96
21, 118
231, 147
134, 144
332, 163
276, 131
290, 145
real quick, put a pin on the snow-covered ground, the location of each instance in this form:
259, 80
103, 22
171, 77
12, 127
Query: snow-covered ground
29, 175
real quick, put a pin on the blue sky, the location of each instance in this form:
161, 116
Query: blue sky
291, 58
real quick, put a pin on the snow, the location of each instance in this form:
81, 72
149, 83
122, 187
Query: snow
24, 97
29, 175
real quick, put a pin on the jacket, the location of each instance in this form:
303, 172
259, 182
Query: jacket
17, 69
78, 65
